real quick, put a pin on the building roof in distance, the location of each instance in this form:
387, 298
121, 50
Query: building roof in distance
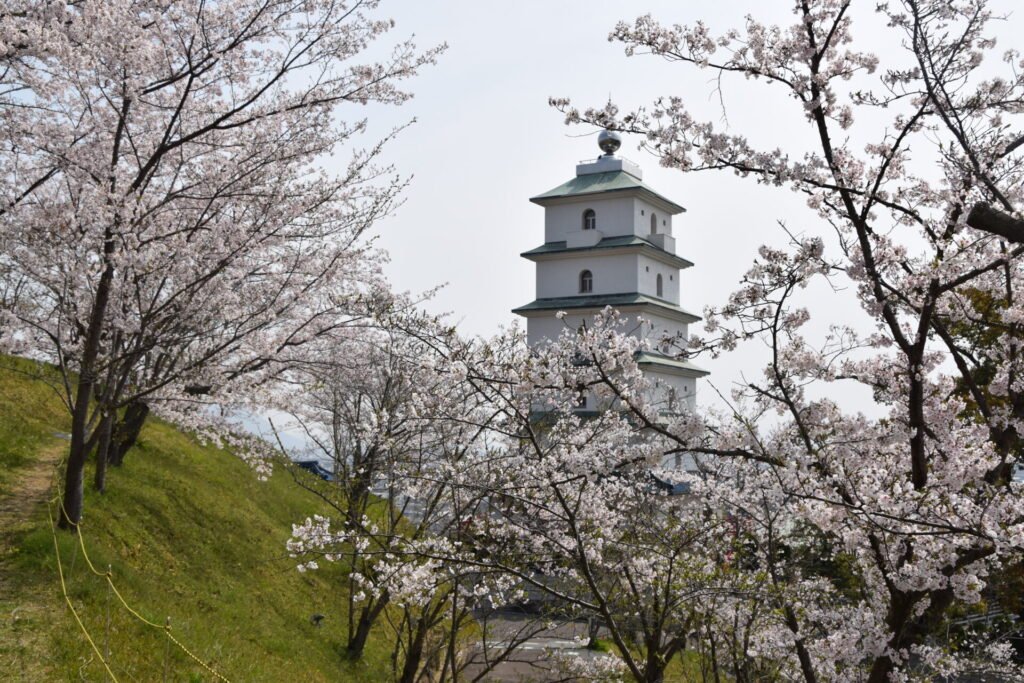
683, 367
607, 243
606, 183
599, 301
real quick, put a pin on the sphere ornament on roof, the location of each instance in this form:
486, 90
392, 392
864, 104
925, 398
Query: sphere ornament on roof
609, 141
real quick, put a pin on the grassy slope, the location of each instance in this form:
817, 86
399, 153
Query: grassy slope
30, 414
189, 534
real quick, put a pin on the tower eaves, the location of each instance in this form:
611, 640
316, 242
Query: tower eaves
603, 183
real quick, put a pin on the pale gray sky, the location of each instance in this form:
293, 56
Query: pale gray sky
486, 141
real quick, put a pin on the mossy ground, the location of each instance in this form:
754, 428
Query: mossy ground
189, 533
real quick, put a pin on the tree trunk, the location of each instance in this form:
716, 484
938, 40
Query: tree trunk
714, 655
414, 655
989, 219
357, 643
655, 665
127, 431
593, 628
71, 501
901, 607
72, 498
367, 617
73, 495
103, 453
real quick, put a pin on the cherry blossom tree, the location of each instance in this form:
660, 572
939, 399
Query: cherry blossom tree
359, 407
167, 228
380, 408
575, 512
817, 543
522, 499
745, 569
921, 501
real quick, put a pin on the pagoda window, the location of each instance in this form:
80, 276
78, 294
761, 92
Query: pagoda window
589, 220
654, 223
658, 285
586, 282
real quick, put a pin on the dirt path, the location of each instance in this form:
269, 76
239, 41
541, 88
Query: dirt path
27, 604
21, 503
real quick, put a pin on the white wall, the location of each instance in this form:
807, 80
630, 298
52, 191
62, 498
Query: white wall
549, 327
642, 218
615, 217
613, 274
685, 389
648, 269
660, 325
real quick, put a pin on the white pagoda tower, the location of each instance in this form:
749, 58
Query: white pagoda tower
608, 242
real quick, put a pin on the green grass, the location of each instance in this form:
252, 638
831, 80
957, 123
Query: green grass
30, 414
189, 533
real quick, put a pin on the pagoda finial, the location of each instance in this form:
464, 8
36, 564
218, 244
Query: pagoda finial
609, 141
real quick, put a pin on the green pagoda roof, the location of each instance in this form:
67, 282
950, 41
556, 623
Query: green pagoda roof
601, 300
609, 243
683, 367
605, 183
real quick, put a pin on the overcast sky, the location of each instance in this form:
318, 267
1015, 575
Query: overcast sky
486, 140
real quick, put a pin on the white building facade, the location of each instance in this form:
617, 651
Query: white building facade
608, 241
